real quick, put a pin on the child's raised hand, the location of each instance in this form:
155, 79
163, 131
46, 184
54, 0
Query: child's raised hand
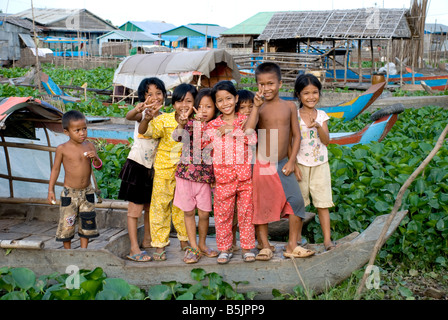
198, 115
314, 124
152, 110
183, 115
259, 97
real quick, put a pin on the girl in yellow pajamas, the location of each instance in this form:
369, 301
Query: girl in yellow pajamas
162, 211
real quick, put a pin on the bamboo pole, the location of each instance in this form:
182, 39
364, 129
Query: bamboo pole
334, 62
359, 61
106, 203
380, 241
22, 244
26, 146
8, 166
347, 46
14, 178
413, 67
36, 43
401, 62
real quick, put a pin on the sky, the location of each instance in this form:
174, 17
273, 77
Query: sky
227, 13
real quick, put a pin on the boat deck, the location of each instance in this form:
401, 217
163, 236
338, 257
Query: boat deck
44, 231
38, 224
34, 230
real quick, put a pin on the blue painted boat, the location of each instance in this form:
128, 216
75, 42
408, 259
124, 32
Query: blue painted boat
376, 131
349, 110
383, 121
53, 89
436, 82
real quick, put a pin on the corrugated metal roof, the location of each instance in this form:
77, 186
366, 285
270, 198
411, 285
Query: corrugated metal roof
133, 35
254, 25
21, 22
48, 15
153, 27
212, 30
435, 28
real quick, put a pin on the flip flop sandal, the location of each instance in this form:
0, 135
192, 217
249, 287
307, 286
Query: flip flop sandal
140, 257
210, 253
264, 255
249, 257
299, 252
192, 255
225, 255
160, 256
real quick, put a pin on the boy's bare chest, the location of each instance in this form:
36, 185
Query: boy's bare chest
271, 118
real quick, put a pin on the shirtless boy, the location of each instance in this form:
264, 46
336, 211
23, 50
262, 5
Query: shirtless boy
77, 196
276, 190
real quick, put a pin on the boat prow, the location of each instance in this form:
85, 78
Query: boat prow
383, 121
349, 110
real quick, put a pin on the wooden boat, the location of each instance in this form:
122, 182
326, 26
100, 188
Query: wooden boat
29, 230
435, 82
28, 226
376, 131
55, 91
349, 109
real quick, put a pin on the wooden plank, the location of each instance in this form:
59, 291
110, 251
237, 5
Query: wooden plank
5, 224
107, 233
33, 227
12, 235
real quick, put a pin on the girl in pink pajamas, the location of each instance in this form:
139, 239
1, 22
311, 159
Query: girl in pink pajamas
232, 168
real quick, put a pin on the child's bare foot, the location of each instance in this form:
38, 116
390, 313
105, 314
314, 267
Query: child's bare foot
146, 243
184, 245
160, 254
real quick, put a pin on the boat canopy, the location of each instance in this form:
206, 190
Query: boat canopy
174, 68
19, 116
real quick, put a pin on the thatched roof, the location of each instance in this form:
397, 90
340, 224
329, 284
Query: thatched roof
369, 23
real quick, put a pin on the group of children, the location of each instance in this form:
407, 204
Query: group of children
209, 145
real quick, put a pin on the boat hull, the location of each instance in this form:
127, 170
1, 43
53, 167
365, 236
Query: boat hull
318, 272
375, 131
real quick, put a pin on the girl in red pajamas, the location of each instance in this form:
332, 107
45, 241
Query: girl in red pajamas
232, 168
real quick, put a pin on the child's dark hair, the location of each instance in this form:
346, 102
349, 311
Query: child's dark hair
205, 92
181, 91
244, 95
144, 85
70, 116
304, 80
268, 67
223, 85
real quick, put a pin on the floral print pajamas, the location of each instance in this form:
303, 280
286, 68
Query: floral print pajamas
232, 159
